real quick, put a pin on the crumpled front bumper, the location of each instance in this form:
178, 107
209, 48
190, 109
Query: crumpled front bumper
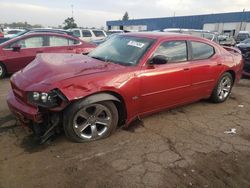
22, 111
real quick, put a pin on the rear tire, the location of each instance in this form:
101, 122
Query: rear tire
223, 88
84, 123
3, 70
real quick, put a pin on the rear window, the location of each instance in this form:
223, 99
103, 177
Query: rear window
98, 33
201, 51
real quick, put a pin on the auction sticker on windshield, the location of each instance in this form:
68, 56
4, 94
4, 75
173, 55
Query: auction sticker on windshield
135, 44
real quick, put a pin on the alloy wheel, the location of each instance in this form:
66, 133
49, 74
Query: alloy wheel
1, 70
224, 88
92, 122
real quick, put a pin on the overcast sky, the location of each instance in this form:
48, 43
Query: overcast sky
89, 13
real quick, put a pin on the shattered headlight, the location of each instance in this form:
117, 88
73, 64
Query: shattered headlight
46, 99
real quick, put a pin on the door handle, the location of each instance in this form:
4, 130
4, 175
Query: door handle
186, 69
219, 64
39, 52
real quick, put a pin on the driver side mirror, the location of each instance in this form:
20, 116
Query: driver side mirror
158, 60
16, 48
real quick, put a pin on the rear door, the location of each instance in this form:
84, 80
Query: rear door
60, 44
30, 47
205, 68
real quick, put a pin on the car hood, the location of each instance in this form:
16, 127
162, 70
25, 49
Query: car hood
52, 68
243, 45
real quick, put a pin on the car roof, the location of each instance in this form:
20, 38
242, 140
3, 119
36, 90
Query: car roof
39, 34
161, 35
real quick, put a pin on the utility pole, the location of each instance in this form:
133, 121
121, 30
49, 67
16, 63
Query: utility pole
242, 17
72, 10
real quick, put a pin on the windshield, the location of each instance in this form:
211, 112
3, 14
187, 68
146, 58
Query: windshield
124, 50
243, 36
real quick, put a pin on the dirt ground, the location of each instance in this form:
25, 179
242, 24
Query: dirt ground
184, 147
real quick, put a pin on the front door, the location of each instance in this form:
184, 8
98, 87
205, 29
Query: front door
168, 84
29, 48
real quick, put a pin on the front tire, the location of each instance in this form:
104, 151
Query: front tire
223, 88
3, 70
83, 123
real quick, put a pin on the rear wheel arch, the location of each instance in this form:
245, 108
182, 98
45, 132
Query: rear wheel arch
5, 72
233, 74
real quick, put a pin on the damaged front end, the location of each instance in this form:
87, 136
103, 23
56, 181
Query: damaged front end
42, 112
50, 105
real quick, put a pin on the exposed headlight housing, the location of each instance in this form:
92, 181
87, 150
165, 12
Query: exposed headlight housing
47, 100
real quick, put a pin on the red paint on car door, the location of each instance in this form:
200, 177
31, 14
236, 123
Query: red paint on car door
167, 84
30, 47
205, 68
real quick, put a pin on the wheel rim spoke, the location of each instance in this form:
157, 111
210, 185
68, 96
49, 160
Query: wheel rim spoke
94, 133
83, 127
98, 111
103, 121
84, 114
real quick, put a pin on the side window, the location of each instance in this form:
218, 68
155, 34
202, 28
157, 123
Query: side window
32, 42
58, 41
76, 33
201, 51
73, 42
175, 51
86, 33
98, 33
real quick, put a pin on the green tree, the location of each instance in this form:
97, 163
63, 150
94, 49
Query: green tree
125, 17
69, 23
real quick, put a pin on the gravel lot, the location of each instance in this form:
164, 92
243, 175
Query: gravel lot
184, 147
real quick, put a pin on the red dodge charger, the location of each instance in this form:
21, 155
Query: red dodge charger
128, 76
16, 53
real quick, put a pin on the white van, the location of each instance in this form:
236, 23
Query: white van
89, 34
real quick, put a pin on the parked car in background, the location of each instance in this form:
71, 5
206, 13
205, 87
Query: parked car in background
9, 33
244, 47
16, 53
1, 33
110, 32
243, 35
39, 30
194, 32
100, 41
89, 34
128, 76
229, 41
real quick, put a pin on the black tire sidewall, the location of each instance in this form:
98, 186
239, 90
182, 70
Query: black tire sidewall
214, 97
4, 70
71, 111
